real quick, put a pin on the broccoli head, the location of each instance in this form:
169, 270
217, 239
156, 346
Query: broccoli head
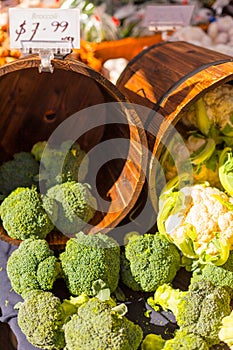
88, 258
18, 172
199, 310
98, 326
23, 215
75, 204
149, 261
41, 318
61, 163
32, 266
187, 341
38, 149
218, 275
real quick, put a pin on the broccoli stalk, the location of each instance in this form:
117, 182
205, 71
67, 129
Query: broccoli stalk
199, 310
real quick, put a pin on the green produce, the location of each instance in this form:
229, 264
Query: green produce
149, 261
153, 342
187, 341
199, 310
217, 275
23, 215
75, 204
32, 266
41, 317
98, 326
226, 170
183, 339
195, 155
88, 258
199, 220
38, 149
18, 172
61, 163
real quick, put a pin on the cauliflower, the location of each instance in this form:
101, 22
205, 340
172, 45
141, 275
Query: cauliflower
196, 155
199, 220
212, 112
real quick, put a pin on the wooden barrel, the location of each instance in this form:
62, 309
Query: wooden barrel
168, 78
33, 105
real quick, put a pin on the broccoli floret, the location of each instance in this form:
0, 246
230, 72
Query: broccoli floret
187, 341
149, 261
183, 339
218, 275
62, 163
199, 310
41, 317
76, 205
88, 258
38, 149
18, 172
98, 326
23, 215
33, 266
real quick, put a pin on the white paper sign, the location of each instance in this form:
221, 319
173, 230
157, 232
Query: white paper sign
49, 28
165, 17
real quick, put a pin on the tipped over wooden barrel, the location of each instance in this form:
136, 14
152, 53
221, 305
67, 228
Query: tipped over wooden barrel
33, 105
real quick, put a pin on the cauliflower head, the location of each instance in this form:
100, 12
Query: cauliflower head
215, 108
199, 220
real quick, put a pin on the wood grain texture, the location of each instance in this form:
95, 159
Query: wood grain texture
33, 105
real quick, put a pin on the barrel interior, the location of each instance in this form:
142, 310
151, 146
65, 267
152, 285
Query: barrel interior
34, 104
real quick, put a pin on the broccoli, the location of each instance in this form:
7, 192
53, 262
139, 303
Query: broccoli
183, 339
38, 149
33, 266
199, 310
41, 317
218, 275
98, 326
187, 341
75, 204
61, 163
23, 215
88, 258
21, 171
149, 261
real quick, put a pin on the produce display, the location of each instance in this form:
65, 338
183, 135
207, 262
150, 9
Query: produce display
87, 294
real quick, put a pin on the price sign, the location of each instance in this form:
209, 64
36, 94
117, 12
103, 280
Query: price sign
50, 28
167, 17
